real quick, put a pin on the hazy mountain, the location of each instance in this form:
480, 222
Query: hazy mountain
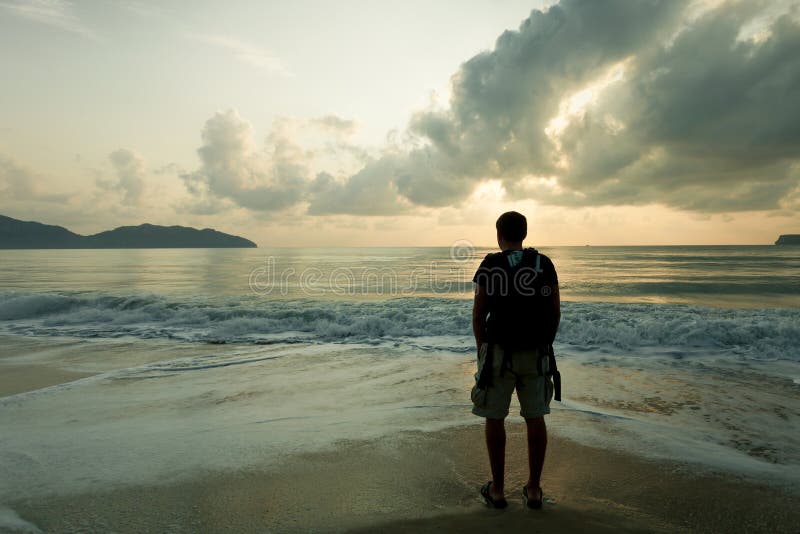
29, 234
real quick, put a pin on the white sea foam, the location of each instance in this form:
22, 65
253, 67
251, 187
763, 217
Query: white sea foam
688, 414
750, 334
238, 407
10, 521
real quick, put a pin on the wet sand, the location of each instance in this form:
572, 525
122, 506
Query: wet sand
31, 363
410, 481
426, 482
21, 378
25, 365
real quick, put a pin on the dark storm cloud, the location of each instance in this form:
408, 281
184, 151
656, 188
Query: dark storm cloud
702, 118
711, 122
503, 99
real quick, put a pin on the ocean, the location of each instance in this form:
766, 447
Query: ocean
196, 360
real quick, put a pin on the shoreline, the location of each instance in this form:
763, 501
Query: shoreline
405, 480
428, 481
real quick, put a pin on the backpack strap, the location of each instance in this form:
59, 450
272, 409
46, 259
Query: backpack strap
506, 363
553, 370
485, 376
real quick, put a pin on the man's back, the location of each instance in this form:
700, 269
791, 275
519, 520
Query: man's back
520, 287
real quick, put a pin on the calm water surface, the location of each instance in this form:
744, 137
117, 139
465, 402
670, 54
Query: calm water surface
728, 276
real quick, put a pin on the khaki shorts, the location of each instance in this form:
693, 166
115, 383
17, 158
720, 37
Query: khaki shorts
534, 391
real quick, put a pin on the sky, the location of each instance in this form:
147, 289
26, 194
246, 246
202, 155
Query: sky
368, 123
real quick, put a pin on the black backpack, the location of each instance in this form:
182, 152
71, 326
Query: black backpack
520, 305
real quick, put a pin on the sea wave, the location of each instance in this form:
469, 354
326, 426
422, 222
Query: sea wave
763, 334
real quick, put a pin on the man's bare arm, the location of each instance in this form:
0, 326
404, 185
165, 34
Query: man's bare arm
480, 308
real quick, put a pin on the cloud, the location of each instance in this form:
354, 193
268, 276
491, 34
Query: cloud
365, 193
234, 169
55, 13
18, 183
131, 173
502, 100
708, 123
236, 172
690, 105
247, 53
336, 124
618, 102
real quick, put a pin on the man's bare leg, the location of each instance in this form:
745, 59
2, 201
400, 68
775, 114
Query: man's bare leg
537, 446
496, 444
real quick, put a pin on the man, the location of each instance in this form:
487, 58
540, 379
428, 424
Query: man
515, 318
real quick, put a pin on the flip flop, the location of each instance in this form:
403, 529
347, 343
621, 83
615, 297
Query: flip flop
499, 503
533, 504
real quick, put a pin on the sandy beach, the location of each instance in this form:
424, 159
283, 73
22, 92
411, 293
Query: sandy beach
427, 482
421, 482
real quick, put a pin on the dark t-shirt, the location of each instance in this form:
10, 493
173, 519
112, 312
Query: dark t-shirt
521, 311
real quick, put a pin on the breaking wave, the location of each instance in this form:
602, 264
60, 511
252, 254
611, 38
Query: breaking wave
441, 323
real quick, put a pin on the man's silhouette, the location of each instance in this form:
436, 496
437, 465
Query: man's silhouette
515, 318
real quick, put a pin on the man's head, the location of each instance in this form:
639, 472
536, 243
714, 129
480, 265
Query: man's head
512, 228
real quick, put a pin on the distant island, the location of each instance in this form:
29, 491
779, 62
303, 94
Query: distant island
29, 234
788, 239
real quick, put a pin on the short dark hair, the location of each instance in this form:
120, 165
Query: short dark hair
512, 226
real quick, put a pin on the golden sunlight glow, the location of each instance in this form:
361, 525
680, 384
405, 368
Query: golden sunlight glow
576, 105
491, 190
